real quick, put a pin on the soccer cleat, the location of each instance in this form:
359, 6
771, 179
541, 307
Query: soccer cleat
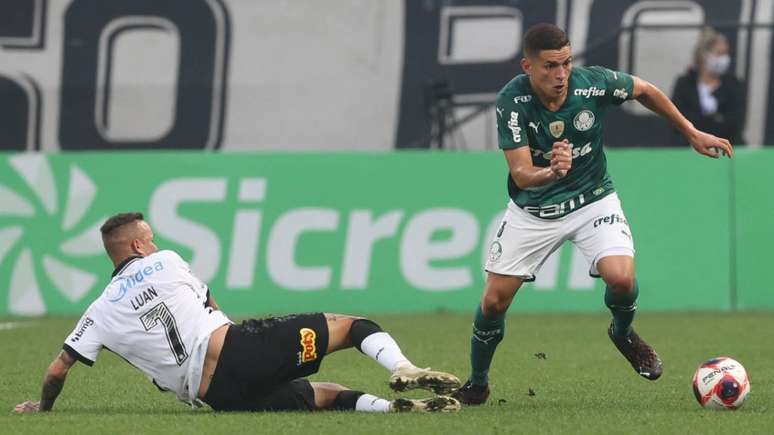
470, 394
640, 355
409, 378
435, 404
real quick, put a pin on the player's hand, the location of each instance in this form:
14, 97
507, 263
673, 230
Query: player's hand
561, 158
711, 146
28, 406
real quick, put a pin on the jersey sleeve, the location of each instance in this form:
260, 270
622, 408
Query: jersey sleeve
174, 259
182, 271
510, 123
85, 342
619, 85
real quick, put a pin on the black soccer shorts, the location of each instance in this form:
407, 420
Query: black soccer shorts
262, 363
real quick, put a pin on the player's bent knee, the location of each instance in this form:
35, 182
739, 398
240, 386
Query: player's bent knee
360, 329
494, 303
499, 293
621, 283
326, 393
339, 320
346, 400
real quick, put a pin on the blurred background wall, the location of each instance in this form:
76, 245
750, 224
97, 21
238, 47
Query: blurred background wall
110, 106
339, 74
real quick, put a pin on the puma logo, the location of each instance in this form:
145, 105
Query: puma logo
485, 341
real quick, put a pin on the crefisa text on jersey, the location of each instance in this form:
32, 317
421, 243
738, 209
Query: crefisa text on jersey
612, 219
590, 92
576, 151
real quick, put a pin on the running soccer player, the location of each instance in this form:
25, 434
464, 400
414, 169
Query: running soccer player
160, 318
550, 127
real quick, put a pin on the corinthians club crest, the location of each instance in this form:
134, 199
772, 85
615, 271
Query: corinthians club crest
556, 128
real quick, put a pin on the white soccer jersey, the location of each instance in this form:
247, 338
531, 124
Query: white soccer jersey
152, 314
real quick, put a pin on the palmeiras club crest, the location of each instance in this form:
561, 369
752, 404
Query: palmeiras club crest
495, 251
584, 120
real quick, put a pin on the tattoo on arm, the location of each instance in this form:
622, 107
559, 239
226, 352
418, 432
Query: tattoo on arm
55, 379
52, 386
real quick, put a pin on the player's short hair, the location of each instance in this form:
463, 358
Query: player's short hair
544, 36
118, 220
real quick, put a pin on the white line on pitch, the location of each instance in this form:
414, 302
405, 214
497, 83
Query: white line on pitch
14, 325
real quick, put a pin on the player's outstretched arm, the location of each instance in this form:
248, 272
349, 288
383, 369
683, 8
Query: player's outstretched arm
704, 143
525, 174
52, 385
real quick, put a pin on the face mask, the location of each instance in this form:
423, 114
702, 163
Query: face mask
717, 64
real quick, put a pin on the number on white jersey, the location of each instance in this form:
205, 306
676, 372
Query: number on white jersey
160, 313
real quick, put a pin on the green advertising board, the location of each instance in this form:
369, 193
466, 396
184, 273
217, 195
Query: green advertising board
754, 230
364, 233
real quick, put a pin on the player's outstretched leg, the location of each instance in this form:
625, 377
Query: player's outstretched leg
488, 331
621, 298
335, 397
409, 377
642, 357
371, 340
433, 404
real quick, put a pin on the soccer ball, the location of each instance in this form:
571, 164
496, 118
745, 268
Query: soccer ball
721, 383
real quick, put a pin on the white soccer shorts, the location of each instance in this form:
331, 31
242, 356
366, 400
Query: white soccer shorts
523, 242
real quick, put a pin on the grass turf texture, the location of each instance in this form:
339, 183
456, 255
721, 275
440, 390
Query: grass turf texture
581, 386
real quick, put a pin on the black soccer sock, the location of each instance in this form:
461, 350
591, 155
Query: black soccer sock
346, 400
622, 306
370, 340
360, 329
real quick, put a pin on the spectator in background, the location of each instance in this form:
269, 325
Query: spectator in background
709, 95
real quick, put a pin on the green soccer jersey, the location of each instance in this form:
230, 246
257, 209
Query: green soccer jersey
522, 120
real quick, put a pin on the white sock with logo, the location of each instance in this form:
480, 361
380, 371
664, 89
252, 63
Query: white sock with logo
371, 403
383, 349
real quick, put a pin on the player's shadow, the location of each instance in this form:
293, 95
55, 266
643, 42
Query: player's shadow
110, 410
101, 411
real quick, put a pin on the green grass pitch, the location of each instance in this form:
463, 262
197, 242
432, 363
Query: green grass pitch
582, 386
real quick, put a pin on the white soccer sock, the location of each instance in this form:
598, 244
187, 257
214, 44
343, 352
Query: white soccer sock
371, 403
382, 348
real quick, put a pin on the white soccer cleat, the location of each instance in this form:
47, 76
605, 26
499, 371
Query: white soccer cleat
435, 404
408, 377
